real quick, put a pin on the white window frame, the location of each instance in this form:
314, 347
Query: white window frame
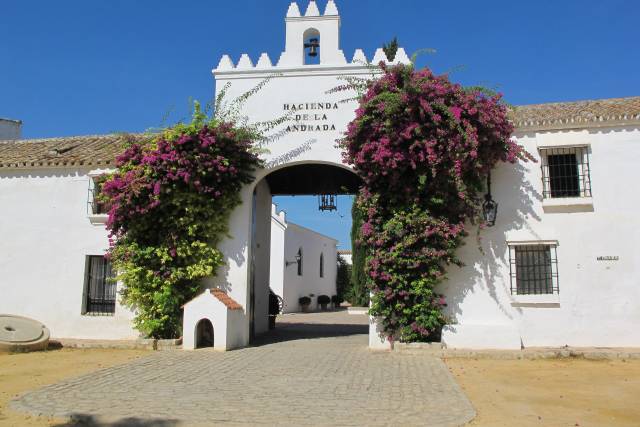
95, 219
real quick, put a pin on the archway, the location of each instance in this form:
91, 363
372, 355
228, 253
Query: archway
204, 334
298, 179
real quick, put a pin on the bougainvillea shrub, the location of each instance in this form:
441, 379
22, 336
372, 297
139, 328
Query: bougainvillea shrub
170, 199
423, 147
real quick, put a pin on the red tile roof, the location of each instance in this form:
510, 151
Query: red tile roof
101, 150
225, 299
578, 114
92, 150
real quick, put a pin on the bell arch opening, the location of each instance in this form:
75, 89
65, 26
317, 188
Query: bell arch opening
204, 334
311, 47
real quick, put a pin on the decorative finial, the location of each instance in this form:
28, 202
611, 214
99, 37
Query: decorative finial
294, 11
331, 9
312, 9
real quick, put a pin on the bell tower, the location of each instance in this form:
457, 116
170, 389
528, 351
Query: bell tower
318, 33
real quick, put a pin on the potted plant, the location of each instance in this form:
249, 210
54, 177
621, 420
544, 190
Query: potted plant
323, 300
335, 300
275, 308
305, 302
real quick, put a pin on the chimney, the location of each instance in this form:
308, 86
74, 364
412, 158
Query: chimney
10, 129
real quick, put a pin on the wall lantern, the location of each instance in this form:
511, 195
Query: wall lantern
313, 46
327, 202
489, 207
297, 261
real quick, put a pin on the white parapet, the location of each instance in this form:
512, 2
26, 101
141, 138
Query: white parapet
380, 56
359, 57
294, 11
245, 62
264, 61
401, 57
312, 9
225, 63
331, 8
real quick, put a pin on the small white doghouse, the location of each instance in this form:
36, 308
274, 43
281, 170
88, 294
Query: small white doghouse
212, 319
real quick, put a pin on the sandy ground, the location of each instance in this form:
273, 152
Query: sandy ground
28, 371
558, 392
565, 392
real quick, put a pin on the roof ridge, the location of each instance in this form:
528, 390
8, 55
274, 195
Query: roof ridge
580, 101
71, 137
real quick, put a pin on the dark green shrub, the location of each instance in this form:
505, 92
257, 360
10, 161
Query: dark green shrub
324, 299
304, 300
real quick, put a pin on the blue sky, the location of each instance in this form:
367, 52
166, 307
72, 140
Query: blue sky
75, 67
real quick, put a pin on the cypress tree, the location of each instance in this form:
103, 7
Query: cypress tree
358, 295
391, 48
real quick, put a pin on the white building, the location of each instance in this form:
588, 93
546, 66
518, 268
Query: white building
346, 255
560, 267
303, 263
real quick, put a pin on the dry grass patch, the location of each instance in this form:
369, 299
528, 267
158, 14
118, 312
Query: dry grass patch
27, 371
552, 392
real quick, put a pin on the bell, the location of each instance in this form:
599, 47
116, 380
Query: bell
313, 46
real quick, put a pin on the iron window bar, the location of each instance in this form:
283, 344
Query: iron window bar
533, 269
565, 172
101, 286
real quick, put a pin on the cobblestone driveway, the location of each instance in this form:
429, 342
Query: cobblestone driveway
332, 379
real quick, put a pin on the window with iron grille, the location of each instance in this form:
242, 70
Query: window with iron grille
96, 206
565, 172
533, 269
321, 265
100, 286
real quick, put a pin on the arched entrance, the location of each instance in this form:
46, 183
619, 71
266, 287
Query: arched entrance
297, 179
204, 334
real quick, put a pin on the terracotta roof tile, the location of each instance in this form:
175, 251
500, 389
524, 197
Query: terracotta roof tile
92, 150
578, 114
225, 299
101, 150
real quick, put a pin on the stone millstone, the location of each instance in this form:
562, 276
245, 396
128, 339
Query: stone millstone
22, 334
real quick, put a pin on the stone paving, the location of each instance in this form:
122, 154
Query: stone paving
306, 373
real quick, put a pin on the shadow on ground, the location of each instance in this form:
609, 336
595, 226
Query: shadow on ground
81, 420
303, 331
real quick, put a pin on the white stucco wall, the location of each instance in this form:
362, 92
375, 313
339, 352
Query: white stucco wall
278, 231
46, 235
597, 302
286, 239
260, 256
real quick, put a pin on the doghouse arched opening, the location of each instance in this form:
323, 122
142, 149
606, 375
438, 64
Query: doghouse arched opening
204, 334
